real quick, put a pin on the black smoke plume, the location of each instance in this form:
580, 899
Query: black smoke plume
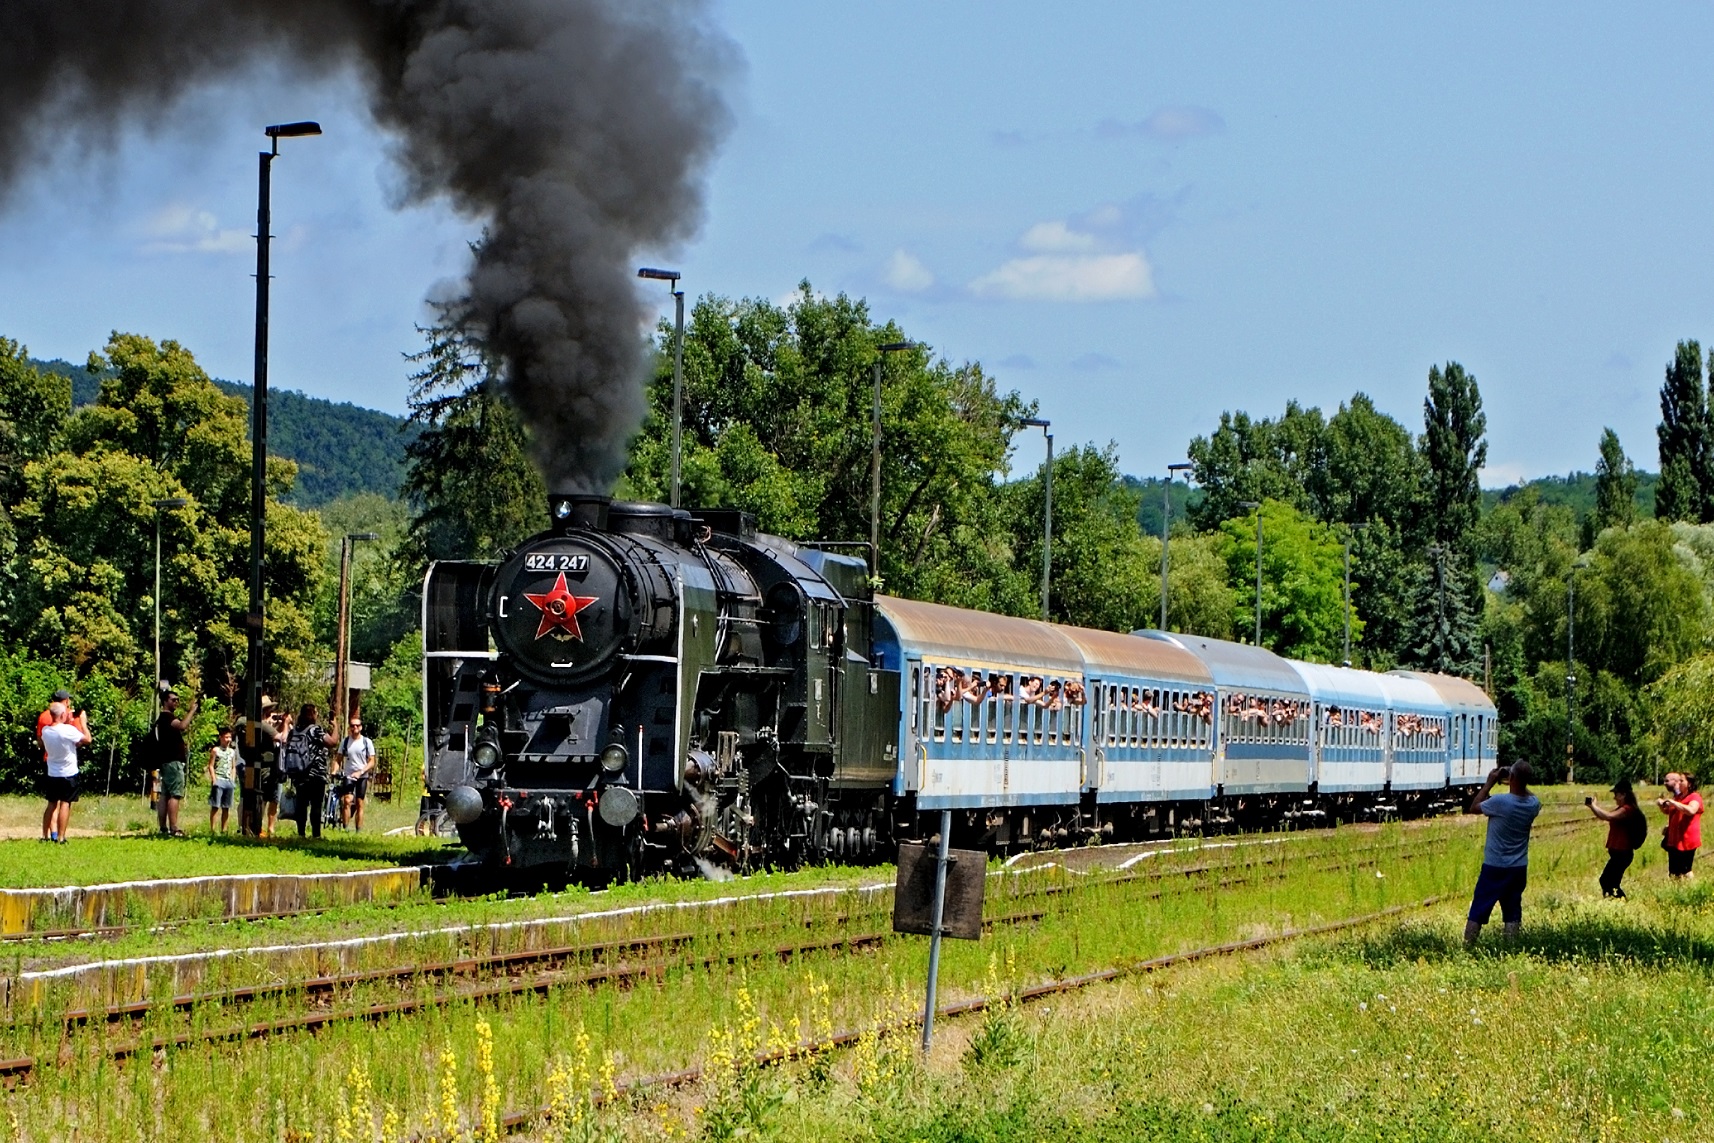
575, 131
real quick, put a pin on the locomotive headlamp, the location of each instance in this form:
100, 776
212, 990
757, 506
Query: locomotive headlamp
562, 509
486, 755
613, 758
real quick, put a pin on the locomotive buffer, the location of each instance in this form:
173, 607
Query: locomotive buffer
937, 895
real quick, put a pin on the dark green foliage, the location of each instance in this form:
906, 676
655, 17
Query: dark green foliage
1185, 498
1615, 485
1683, 436
1454, 449
1574, 490
471, 485
1442, 632
340, 449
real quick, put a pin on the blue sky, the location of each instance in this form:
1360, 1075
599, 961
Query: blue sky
1138, 215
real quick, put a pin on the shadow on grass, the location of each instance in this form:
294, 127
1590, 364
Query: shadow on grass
341, 846
1610, 936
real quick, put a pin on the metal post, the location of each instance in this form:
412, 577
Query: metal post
1570, 670
1347, 659
678, 386
342, 638
1166, 530
1047, 536
1258, 575
258, 455
157, 687
875, 476
1166, 533
938, 914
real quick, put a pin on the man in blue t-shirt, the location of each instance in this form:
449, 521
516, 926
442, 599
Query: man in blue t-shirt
1506, 856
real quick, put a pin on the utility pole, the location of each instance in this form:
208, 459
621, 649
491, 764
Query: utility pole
875, 457
254, 664
672, 277
1256, 505
1166, 528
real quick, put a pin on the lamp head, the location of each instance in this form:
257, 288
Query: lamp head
371, 536
1035, 423
897, 346
171, 503
1181, 466
658, 275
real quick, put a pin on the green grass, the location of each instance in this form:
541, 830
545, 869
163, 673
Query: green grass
1598, 1016
94, 860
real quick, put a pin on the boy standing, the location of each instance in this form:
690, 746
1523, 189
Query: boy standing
1506, 856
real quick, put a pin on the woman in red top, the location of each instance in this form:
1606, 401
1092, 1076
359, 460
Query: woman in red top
1683, 809
1625, 831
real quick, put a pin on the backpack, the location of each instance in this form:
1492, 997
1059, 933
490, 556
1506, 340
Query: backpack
298, 756
1636, 828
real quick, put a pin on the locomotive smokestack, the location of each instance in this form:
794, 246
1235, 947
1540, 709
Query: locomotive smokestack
570, 510
574, 131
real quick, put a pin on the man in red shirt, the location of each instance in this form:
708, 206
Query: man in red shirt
1683, 808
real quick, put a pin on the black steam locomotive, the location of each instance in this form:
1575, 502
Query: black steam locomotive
643, 688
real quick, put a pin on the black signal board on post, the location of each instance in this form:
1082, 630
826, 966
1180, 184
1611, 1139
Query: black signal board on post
913, 896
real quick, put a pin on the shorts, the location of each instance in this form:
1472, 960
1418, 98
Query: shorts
60, 789
219, 797
356, 787
1502, 885
172, 779
1679, 861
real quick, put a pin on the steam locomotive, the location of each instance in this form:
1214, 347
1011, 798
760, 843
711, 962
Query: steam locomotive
643, 688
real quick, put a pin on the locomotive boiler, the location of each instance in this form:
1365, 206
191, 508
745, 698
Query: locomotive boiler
645, 688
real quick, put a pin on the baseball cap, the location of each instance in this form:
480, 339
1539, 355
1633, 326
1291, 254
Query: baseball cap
62, 696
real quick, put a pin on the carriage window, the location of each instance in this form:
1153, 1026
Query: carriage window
916, 696
937, 707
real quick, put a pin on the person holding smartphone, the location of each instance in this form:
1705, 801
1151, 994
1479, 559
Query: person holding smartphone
1683, 808
1626, 829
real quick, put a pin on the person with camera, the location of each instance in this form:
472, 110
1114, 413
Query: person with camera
1683, 808
172, 752
1506, 855
61, 738
1626, 830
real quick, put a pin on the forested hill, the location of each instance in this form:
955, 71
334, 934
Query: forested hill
341, 448
1575, 491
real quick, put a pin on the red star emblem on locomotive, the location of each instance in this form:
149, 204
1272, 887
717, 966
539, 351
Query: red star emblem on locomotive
559, 610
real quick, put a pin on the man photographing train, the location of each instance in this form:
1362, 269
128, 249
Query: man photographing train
1506, 855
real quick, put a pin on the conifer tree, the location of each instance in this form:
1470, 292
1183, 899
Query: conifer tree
1683, 436
1615, 485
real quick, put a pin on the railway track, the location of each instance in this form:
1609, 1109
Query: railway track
523, 1119
625, 962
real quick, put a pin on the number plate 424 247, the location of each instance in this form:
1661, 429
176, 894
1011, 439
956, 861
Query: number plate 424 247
555, 562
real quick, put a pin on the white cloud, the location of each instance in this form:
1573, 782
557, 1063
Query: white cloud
181, 229
1057, 237
906, 272
1165, 124
1069, 278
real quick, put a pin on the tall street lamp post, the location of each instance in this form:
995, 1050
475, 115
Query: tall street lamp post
1047, 517
672, 277
259, 425
171, 504
1571, 663
1256, 505
342, 651
875, 457
1166, 526
1353, 528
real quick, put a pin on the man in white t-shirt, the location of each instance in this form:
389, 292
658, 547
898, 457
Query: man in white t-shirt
60, 739
359, 764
